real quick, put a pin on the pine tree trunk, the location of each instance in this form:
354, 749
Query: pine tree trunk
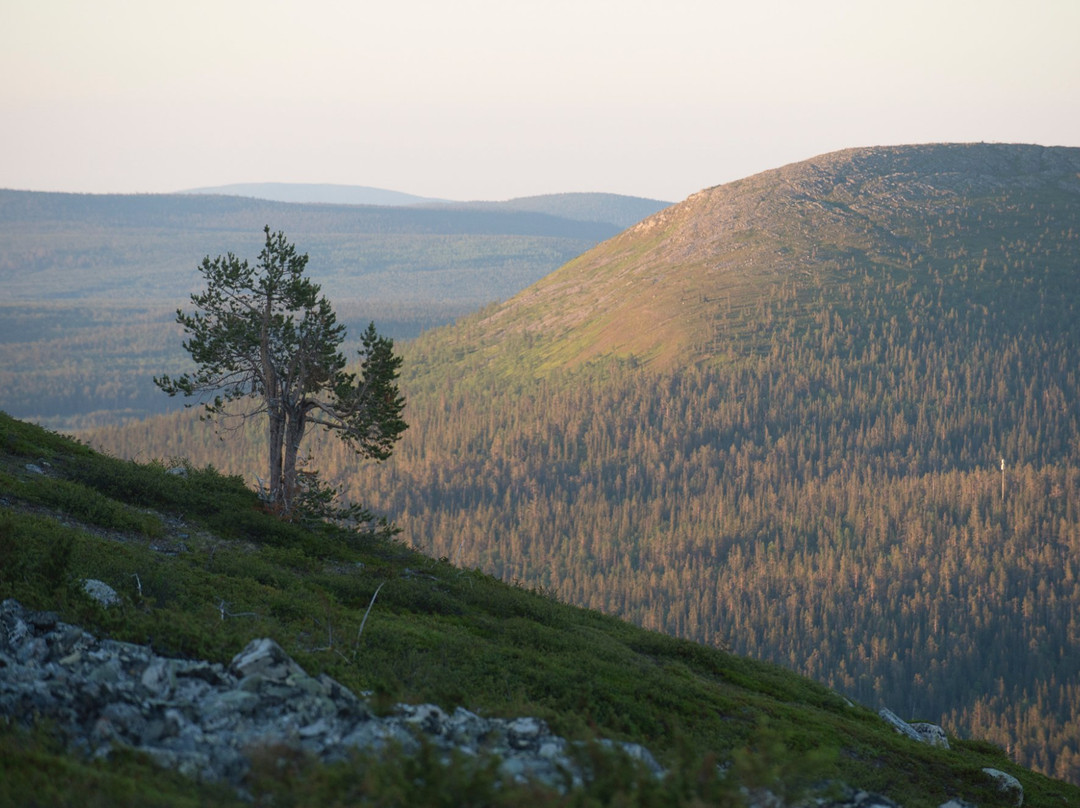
294, 434
275, 436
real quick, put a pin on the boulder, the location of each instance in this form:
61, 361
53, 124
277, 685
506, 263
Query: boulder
101, 592
931, 734
1008, 784
900, 725
919, 731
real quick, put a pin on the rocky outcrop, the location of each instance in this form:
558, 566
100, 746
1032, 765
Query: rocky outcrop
101, 592
204, 718
920, 731
931, 734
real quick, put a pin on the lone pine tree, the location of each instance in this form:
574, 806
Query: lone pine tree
265, 341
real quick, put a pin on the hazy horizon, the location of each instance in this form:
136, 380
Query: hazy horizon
487, 100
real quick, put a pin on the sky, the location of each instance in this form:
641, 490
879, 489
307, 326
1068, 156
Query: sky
495, 99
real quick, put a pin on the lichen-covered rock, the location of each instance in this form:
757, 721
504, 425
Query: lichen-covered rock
101, 592
900, 725
931, 734
1007, 783
919, 731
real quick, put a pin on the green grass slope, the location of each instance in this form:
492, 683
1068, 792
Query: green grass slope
177, 547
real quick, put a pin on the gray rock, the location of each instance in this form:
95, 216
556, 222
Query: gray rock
1007, 783
931, 734
101, 592
901, 726
426, 717
264, 657
202, 719
524, 733
919, 731
159, 678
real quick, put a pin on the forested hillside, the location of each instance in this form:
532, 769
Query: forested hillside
774, 416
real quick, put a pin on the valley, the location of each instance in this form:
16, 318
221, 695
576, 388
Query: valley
91, 283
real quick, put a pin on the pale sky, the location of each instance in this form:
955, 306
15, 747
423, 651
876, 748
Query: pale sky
493, 99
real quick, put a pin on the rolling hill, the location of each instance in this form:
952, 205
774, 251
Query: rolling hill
614, 209
773, 416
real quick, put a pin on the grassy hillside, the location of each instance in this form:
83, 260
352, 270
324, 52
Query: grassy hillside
773, 416
176, 548
695, 281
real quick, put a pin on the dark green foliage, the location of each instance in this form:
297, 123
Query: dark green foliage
34, 554
266, 343
34, 771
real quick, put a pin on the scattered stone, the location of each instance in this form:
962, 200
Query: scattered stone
203, 718
177, 471
1009, 784
33, 468
101, 592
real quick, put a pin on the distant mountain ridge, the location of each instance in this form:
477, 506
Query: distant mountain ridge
615, 209
153, 242
317, 193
